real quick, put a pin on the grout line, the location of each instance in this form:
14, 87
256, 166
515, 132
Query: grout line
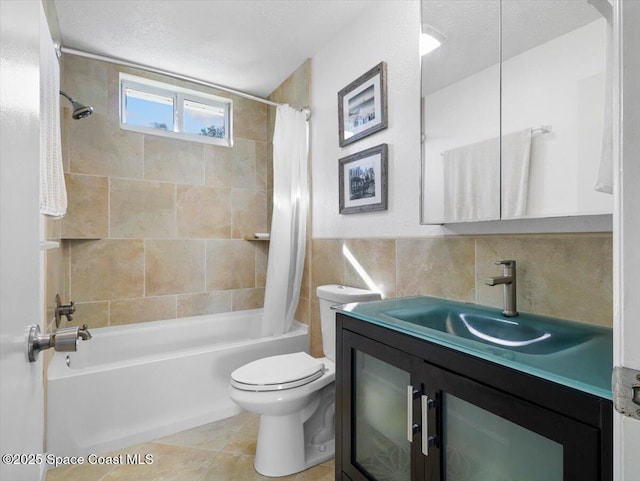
108, 207
144, 267
475, 270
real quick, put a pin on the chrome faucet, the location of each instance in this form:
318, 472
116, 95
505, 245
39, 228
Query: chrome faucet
508, 278
62, 340
83, 333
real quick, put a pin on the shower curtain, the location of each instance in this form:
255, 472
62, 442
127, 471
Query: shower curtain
289, 220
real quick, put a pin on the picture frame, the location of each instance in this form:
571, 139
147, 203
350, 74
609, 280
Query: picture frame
362, 106
363, 181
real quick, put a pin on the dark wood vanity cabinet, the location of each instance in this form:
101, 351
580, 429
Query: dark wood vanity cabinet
467, 419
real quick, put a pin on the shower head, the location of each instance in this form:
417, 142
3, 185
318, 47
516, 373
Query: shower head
80, 111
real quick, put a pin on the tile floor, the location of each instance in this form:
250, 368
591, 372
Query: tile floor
220, 451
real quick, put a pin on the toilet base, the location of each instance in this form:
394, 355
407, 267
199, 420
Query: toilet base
281, 449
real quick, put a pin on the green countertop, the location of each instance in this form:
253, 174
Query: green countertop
574, 354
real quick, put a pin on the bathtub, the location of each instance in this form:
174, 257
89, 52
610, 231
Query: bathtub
131, 384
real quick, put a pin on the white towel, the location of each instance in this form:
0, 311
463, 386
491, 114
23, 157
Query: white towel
516, 155
475, 182
604, 182
53, 193
472, 182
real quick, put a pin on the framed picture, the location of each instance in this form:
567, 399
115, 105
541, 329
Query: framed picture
362, 105
363, 181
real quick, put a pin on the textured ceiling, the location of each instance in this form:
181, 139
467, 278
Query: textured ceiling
471, 29
249, 45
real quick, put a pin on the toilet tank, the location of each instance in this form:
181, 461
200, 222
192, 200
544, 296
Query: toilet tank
332, 295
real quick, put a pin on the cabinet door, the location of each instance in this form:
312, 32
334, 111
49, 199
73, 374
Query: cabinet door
380, 415
489, 435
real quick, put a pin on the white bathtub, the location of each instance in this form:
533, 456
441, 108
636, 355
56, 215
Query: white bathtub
131, 384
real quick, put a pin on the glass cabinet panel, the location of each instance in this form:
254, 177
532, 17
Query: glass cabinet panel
480, 446
487, 434
381, 448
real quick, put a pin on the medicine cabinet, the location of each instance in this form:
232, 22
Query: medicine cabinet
516, 116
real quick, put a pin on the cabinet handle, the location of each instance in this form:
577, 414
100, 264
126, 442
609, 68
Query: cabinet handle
424, 405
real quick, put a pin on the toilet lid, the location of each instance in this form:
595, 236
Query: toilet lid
277, 372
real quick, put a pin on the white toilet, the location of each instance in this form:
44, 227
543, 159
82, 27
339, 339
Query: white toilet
294, 395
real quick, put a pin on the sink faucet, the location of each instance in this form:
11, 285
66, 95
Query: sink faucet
508, 278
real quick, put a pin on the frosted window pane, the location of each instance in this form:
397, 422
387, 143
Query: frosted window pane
380, 410
480, 446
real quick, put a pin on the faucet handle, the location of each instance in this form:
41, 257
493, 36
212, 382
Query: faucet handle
63, 310
509, 263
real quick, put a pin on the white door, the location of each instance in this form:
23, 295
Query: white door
627, 231
21, 391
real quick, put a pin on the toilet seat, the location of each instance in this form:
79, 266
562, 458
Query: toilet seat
278, 372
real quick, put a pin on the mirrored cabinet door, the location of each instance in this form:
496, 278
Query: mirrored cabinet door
555, 120
516, 107
461, 111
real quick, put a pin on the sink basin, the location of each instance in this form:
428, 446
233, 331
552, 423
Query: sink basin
524, 333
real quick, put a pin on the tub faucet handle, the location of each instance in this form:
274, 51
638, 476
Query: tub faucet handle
508, 263
66, 310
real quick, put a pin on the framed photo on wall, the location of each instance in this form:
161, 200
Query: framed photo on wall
362, 106
363, 181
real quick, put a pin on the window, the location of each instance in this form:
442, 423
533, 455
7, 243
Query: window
161, 109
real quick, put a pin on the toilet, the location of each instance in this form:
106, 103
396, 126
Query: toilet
294, 394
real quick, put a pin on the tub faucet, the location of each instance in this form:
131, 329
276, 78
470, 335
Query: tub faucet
508, 279
83, 333
62, 340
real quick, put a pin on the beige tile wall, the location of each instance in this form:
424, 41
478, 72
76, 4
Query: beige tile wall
155, 226
567, 276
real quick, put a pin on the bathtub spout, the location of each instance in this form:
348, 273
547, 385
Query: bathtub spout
62, 340
84, 333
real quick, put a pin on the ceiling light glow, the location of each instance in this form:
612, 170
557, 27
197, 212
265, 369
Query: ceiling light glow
430, 39
428, 44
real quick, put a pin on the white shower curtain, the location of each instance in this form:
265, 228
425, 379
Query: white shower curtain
289, 221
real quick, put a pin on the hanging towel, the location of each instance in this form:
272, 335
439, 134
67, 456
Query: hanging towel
53, 193
474, 179
604, 182
516, 156
472, 182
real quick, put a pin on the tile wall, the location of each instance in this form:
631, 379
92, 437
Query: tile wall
155, 225
561, 275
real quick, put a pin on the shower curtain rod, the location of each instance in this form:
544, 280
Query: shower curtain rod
126, 63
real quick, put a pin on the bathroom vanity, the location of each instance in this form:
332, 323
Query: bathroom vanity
429, 389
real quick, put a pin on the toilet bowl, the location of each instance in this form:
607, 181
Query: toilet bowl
294, 394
